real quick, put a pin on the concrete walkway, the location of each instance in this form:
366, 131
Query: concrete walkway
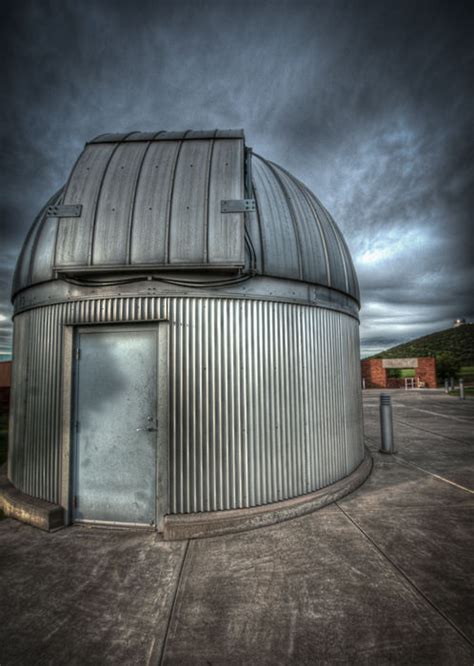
383, 576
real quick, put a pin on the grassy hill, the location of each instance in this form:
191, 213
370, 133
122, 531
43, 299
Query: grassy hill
457, 341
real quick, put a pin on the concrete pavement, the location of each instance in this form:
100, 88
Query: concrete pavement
383, 576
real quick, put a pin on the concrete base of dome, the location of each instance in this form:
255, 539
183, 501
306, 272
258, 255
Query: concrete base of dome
216, 523
30, 510
50, 517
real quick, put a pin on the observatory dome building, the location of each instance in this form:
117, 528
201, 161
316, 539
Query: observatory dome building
186, 344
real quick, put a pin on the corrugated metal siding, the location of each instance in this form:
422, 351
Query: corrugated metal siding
276, 396
265, 399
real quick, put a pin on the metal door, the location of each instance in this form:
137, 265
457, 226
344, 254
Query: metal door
115, 424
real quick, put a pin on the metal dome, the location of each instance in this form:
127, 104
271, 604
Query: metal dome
149, 202
186, 342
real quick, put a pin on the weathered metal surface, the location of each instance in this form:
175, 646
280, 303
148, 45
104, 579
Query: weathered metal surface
187, 232
225, 231
153, 201
265, 399
273, 411
294, 235
259, 377
151, 213
111, 232
238, 206
143, 203
25, 264
280, 250
66, 210
259, 287
115, 442
169, 136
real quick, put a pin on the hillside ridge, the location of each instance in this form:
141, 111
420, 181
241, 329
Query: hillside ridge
457, 341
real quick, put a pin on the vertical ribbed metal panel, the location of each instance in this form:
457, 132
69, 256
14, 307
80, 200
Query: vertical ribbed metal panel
151, 211
279, 240
73, 244
339, 279
189, 205
265, 400
111, 236
34, 461
313, 245
44, 253
265, 403
225, 233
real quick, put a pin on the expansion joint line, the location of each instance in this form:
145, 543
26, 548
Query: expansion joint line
173, 605
405, 576
402, 461
436, 434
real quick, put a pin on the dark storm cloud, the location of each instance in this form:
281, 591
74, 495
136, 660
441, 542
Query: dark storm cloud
368, 103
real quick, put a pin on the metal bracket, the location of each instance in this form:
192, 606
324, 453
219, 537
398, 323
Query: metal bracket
66, 210
238, 205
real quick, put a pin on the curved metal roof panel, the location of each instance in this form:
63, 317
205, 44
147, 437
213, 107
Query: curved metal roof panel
297, 237
153, 201
170, 136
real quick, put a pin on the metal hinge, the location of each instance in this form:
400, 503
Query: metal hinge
237, 205
74, 502
78, 354
64, 210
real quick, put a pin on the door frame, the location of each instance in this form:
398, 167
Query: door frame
69, 408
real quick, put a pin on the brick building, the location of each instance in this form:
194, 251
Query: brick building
376, 371
5, 383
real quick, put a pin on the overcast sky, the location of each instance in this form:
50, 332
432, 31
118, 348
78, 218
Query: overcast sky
369, 103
